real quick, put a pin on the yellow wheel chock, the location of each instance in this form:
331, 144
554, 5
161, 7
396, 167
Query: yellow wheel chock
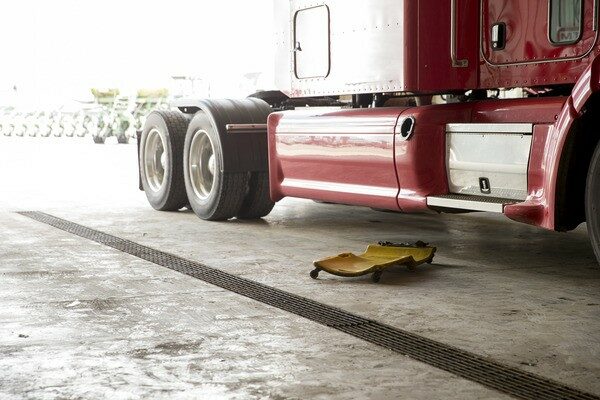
375, 259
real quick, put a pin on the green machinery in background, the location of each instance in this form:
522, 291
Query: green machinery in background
122, 116
110, 114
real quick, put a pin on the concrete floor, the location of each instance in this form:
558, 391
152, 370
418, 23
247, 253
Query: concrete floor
80, 320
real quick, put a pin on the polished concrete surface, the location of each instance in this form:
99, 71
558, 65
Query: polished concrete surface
80, 320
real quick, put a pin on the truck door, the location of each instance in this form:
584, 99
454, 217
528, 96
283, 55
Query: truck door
311, 42
536, 31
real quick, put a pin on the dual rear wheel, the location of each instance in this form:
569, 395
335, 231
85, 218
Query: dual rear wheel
182, 162
213, 192
161, 160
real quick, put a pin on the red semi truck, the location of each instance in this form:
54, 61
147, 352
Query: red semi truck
405, 105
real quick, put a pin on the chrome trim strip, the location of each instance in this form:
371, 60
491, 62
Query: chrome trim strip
343, 133
340, 187
595, 17
516, 169
341, 129
311, 124
233, 128
465, 204
490, 128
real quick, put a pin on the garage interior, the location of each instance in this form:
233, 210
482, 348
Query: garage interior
170, 186
83, 320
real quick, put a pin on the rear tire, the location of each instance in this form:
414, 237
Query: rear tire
592, 202
213, 194
257, 202
161, 160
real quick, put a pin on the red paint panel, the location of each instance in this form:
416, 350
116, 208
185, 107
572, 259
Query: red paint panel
354, 156
554, 73
552, 118
588, 83
535, 110
535, 209
530, 58
421, 160
344, 156
546, 114
557, 137
349, 156
431, 39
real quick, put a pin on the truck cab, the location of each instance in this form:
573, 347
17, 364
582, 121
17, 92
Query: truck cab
353, 46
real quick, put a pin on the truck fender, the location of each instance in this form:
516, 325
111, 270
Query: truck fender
585, 87
243, 151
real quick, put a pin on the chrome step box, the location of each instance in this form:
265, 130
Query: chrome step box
488, 159
468, 203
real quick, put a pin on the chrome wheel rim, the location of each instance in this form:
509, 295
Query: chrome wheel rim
155, 160
202, 164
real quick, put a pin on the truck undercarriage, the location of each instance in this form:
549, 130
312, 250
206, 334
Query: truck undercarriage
377, 133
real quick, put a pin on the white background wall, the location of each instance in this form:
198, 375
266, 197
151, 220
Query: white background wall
59, 49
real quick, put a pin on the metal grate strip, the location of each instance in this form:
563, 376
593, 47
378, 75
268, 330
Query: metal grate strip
500, 377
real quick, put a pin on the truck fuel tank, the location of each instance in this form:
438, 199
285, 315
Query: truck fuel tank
340, 155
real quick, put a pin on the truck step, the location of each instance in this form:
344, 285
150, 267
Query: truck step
469, 202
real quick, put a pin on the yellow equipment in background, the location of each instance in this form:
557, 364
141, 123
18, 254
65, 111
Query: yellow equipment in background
375, 259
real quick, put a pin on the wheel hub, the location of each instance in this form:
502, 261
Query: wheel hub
211, 164
155, 160
202, 164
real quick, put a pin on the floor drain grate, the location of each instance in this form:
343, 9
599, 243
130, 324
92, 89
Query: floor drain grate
503, 378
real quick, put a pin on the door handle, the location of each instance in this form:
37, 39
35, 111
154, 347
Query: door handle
456, 63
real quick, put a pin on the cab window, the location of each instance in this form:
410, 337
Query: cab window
565, 21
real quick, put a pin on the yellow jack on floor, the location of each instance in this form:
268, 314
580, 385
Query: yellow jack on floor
375, 259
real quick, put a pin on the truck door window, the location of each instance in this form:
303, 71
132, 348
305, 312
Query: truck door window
311, 42
565, 21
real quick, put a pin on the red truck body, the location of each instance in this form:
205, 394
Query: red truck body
357, 156
331, 156
404, 105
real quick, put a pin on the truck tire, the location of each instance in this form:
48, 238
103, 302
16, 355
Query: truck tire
213, 194
257, 202
161, 160
592, 202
